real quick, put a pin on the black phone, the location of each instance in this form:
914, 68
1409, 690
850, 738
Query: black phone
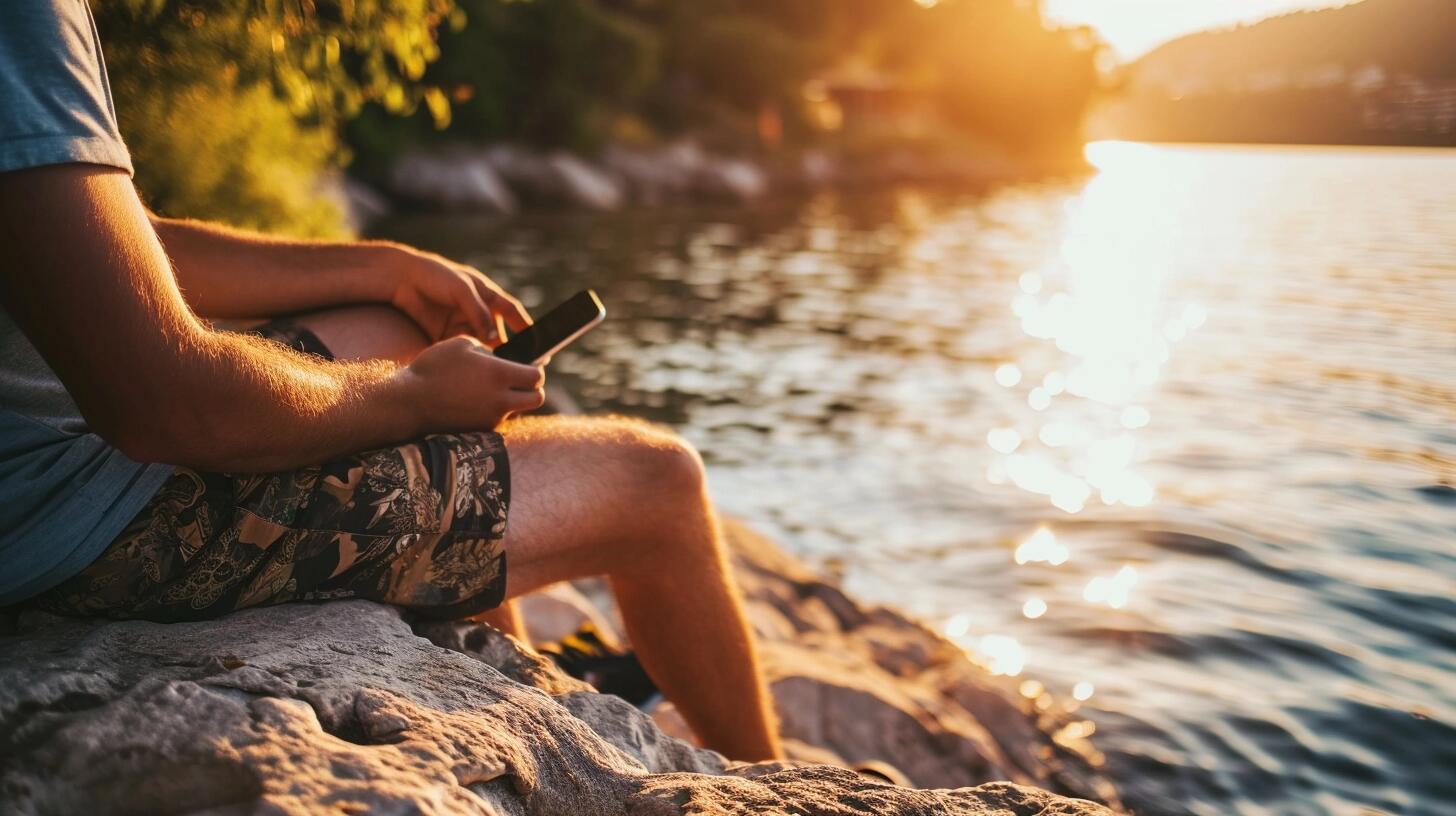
554, 330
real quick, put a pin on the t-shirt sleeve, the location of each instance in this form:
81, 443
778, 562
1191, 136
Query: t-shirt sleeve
55, 101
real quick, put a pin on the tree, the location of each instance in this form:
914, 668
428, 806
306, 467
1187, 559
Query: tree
231, 107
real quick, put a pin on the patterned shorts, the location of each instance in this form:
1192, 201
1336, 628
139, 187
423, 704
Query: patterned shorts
419, 525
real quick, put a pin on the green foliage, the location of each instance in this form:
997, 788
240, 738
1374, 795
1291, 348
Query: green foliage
223, 152
553, 73
722, 62
325, 58
231, 107
992, 69
234, 108
548, 72
568, 72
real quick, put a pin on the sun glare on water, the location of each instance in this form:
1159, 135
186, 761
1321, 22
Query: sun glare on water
1099, 330
1100, 302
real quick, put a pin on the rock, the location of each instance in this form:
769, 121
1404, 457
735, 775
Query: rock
684, 169
455, 178
363, 203
343, 707
648, 178
360, 203
817, 169
584, 185
558, 178
869, 683
560, 610
732, 179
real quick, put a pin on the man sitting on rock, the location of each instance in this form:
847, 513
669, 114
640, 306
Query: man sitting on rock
354, 445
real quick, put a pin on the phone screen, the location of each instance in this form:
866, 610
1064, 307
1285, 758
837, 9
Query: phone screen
554, 330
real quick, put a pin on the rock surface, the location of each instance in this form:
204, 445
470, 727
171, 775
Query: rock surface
499, 178
456, 178
344, 708
866, 682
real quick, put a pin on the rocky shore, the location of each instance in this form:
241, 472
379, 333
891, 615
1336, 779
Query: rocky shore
500, 179
347, 707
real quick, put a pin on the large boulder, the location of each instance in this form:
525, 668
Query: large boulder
866, 682
344, 708
555, 178
683, 169
454, 178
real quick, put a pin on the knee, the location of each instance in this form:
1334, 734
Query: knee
367, 332
664, 467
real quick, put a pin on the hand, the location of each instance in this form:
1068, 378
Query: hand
464, 387
446, 298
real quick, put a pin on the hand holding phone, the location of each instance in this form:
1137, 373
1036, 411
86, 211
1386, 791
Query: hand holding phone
557, 328
458, 385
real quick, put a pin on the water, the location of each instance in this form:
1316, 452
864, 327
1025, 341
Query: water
1179, 438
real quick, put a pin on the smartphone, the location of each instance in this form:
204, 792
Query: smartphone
554, 330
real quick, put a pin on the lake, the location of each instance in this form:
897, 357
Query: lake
1174, 444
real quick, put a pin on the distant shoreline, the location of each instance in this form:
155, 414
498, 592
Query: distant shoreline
1373, 146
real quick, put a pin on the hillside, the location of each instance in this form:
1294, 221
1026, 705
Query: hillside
1375, 72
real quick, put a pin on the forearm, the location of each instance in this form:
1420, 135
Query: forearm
86, 280
233, 274
240, 404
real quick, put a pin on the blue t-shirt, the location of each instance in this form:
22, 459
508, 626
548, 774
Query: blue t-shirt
65, 494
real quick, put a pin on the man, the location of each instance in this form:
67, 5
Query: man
154, 466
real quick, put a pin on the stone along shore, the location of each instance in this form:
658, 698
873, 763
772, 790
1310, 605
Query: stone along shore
346, 708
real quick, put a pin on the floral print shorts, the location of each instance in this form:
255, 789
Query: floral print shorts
418, 525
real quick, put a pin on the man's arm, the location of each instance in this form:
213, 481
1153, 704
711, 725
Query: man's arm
86, 279
226, 273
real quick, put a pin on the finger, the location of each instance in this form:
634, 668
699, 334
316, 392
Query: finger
475, 345
527, 400
502, 305
512, 311
478, 315
432, 318
536, 379
519, 375
460, 329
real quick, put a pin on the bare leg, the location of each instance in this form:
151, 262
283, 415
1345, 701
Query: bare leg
384, 333
625, 500
366, 333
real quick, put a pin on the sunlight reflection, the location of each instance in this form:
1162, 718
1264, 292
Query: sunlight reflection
1055, 382
1135, 416
1082, 691
1112, 591
957, 625
1034, 608
1060, 434
1003, 654
1036, 473
1078, 730
1042, 545
1003, 440
1101, 302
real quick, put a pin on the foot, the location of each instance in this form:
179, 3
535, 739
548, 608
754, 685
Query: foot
584, 656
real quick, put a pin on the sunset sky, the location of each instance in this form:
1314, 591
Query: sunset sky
1134, 27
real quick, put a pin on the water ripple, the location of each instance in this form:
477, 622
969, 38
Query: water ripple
1207, 395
